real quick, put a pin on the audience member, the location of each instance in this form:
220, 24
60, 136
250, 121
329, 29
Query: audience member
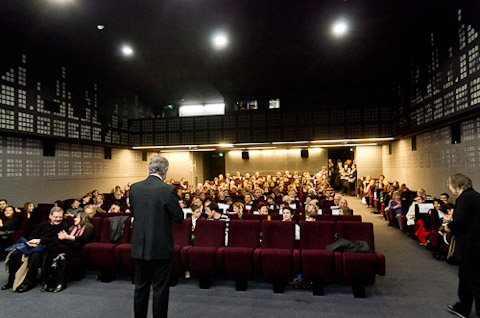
45, 237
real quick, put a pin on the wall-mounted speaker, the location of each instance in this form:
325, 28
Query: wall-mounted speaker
304, 153
49, 148
245, 155
414, 143
456, 133
144, 155
108, 153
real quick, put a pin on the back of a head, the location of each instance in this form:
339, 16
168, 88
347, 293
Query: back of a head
461, 181
158, 165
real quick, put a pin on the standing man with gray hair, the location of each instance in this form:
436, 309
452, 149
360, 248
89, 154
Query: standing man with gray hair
154, 205
465, 226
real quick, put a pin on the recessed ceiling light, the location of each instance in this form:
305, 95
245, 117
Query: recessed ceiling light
127, 50
340, 28
220, 40
100, 27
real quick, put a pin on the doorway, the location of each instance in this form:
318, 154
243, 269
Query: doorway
341, 153
213, 164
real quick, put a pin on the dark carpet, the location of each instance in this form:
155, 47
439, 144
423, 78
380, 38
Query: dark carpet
416, 285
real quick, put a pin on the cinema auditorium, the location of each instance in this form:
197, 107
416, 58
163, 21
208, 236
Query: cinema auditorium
309, 142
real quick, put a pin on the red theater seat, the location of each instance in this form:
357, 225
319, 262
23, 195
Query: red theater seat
317, 264
201, 257
100, 254
276, 254
360, 269
243, 239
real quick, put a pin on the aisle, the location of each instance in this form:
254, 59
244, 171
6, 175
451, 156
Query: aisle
415, 280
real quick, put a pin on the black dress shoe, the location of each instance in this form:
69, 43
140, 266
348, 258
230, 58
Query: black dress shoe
24, 288
44, 288
7, 286
59, 288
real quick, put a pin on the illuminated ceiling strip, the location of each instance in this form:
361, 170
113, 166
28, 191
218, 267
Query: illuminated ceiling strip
289, 142
354, 140
218, 145
188, 150
252, 144
255, 148
165, 147
344, 145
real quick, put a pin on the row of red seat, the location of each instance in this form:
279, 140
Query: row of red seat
278, 256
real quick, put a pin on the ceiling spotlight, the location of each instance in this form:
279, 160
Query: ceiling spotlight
127, 50
340, 28
220, 40
100, 27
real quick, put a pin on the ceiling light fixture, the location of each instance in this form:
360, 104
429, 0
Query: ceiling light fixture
100, 27
127, 50
340, 28
220, 40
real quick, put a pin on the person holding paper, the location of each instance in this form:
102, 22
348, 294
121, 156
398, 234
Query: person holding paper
466, 229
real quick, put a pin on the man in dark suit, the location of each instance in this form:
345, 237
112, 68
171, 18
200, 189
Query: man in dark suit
154, 205
465, 226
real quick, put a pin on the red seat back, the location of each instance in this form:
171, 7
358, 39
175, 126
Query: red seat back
324, 217
209, 233
105, 231
182, 233
356, 231
278, 234
316, 235
244, 233
259, 217
97, 227
355, 218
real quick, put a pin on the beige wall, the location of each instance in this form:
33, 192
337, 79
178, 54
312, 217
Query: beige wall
270, 161
369, 161
75, 170
435, 159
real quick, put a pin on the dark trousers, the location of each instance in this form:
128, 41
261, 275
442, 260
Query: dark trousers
34, 263
469, 284
54, 276
157, 274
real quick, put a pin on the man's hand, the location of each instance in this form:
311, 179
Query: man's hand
62, 235
34, 242
447, 229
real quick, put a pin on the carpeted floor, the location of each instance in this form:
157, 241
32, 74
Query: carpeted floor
416, 285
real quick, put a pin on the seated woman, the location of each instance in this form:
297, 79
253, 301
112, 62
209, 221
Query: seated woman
262, 208
9, 221
71, 244
98, 202
395, 207
238, 209
32, 215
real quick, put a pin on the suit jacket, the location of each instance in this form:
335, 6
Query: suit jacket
154, 205
466, 222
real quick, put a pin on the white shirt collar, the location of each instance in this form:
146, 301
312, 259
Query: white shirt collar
156, 175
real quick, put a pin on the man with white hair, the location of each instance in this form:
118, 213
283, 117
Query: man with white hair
154, 205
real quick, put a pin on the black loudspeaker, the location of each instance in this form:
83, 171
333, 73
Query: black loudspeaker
456, 133
414, 143
144, 155
245, 155
304, 153
108, 153
48, 148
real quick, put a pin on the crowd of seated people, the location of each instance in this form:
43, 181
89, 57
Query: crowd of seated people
417, 214
292, 197
52, 236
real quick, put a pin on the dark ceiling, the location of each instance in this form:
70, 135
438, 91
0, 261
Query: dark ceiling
276, 47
